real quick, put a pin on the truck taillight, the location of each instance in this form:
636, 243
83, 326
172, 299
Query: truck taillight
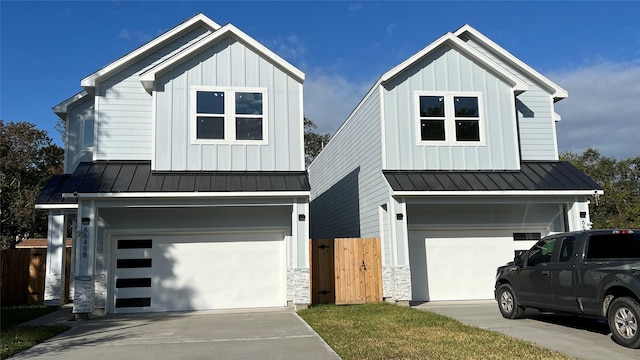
623, 232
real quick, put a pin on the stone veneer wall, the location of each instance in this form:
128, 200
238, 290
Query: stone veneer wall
299, 286
396, 282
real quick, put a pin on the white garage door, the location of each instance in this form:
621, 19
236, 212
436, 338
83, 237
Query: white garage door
197, 272
457, 264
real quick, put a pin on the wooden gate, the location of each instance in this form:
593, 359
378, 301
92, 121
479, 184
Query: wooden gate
346, 271
23, 275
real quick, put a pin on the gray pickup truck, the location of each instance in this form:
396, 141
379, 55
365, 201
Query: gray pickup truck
590, 273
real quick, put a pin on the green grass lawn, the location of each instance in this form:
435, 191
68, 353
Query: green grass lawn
385, 331
14, 338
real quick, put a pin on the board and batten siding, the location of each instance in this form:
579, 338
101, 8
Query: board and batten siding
79, 124
537, 129
125, 110
447, 70
229, 64
347, 184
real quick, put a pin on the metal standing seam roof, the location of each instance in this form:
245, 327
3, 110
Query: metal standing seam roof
137, 177
52, 191
533, 176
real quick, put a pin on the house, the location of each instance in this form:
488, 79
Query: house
451, 159
184, 179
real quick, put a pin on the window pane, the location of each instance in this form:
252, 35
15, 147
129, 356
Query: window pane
431, 106
466, 106
248, 103
210, 127
467, 130
210, 102
248, 128
87, 138
432, 129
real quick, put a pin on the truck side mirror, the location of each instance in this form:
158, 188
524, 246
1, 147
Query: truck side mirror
517, 260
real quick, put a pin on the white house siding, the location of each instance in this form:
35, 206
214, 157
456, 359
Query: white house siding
467, 215
448, 70
537, 129
124, 109
346, 178
78, 116
228, 63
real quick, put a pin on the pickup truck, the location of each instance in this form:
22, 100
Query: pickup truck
589, 273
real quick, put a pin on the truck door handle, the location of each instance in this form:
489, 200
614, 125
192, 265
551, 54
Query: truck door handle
545, 273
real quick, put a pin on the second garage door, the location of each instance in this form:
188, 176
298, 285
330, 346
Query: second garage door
459, 264
197, 272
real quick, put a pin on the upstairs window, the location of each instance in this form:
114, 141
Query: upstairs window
449, 118
229, 115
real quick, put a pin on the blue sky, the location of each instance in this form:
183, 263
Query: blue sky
590, 48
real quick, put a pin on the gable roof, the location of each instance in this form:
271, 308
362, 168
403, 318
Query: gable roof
555, 177
450, 39
62, 108
89, 82
557, 92
148, 76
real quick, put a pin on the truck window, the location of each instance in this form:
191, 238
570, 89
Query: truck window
614, 246
541, 252
566, 249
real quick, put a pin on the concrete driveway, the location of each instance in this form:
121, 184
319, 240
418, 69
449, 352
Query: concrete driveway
265, 334
583, 338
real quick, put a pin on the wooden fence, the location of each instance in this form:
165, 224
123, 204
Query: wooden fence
346, 271
23, 275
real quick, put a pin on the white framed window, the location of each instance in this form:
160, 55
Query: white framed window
228, 115
449, 118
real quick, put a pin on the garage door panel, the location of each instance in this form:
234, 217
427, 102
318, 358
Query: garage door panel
215, 271
458, 264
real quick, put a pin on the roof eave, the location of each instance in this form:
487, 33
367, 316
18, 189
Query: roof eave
89, 82
557, 92
517, 85
501, 193
62, 108
149, 76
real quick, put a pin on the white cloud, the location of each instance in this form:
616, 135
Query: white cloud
330, 98
602, 110
390, 28
289, 47
355, 7
136, 35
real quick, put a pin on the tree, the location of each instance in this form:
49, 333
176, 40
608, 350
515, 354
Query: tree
28, 158
619, 207
313, 142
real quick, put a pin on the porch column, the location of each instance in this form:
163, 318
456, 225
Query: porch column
85, 257
402, 269
56, 258
298, 277
578, 215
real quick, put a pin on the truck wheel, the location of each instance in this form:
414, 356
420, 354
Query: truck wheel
623, 317
508, 303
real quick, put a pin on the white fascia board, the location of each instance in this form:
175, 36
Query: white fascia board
200, 19
195, 194
501, 193
56, 206
558, 92
61, 109
556, 117
148, 77
518, 85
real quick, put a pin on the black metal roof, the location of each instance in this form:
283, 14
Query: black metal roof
533, 176
137, 177
52, 192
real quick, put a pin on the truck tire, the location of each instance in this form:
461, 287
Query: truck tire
508, 303
623, 317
